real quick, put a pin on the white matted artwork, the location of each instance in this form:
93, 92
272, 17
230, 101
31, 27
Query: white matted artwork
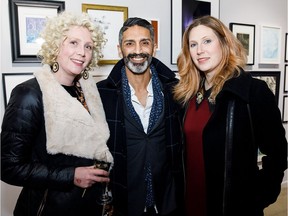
10, 81
111, 19
29, 16
245, 33
270, 45
27, 20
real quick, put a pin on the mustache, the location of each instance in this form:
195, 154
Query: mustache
141, 55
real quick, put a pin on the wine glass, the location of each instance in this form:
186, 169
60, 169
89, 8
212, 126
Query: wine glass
105, 197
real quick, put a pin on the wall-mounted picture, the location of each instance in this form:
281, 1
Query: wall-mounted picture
245, 33
156, 25
111, 19
272, 78
27, 19
286, 78
270, 45
286, 47
183, 13
10, 81
285, 109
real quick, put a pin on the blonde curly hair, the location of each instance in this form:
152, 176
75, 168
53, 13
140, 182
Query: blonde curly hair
55, 32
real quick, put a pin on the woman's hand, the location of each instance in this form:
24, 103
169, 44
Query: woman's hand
87, 176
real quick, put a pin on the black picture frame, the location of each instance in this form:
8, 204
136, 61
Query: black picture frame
33, 13
286, 47
10, 81
285, 109
286, 78
245, 33
272, 78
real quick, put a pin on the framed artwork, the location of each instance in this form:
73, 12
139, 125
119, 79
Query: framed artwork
286, 78
270, 45
111, 19
11, 80
183, 13
27, 19
245, 33
285, 109
156, 25
272, 78
286, 47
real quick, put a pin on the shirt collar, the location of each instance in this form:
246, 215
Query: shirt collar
149, 89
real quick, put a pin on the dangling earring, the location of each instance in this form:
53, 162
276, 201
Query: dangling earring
85, 74
55, 67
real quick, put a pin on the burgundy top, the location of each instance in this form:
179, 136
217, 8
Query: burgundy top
195, 121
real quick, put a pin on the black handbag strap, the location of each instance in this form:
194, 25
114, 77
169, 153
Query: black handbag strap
228, 156
228, 152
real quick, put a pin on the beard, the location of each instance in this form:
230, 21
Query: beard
138, 68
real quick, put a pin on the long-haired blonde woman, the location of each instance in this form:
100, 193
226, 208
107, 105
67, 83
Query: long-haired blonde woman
229, 116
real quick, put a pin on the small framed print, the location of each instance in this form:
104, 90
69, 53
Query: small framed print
156, 25
245, 33
27, 19
270, 45
10, 81
111, 19
272, 78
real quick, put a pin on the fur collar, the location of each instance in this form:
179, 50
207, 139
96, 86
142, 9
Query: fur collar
70, 129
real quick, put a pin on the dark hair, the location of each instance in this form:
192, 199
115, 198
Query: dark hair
132, 21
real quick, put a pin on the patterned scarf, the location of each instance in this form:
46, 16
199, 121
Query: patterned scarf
157, 108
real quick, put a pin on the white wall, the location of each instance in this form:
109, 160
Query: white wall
255, 12
272, 13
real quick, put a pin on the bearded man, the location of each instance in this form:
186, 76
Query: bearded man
144, 122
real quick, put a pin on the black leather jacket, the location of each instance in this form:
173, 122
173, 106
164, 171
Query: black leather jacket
25, 161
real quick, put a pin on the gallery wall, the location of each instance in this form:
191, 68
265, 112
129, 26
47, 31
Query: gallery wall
272, 13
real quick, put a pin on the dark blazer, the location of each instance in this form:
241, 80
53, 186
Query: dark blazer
247, 189
112, 98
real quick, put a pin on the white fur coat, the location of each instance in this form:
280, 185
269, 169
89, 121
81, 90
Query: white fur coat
70, 128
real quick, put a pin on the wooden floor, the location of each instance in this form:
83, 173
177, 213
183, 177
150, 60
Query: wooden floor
279, 208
